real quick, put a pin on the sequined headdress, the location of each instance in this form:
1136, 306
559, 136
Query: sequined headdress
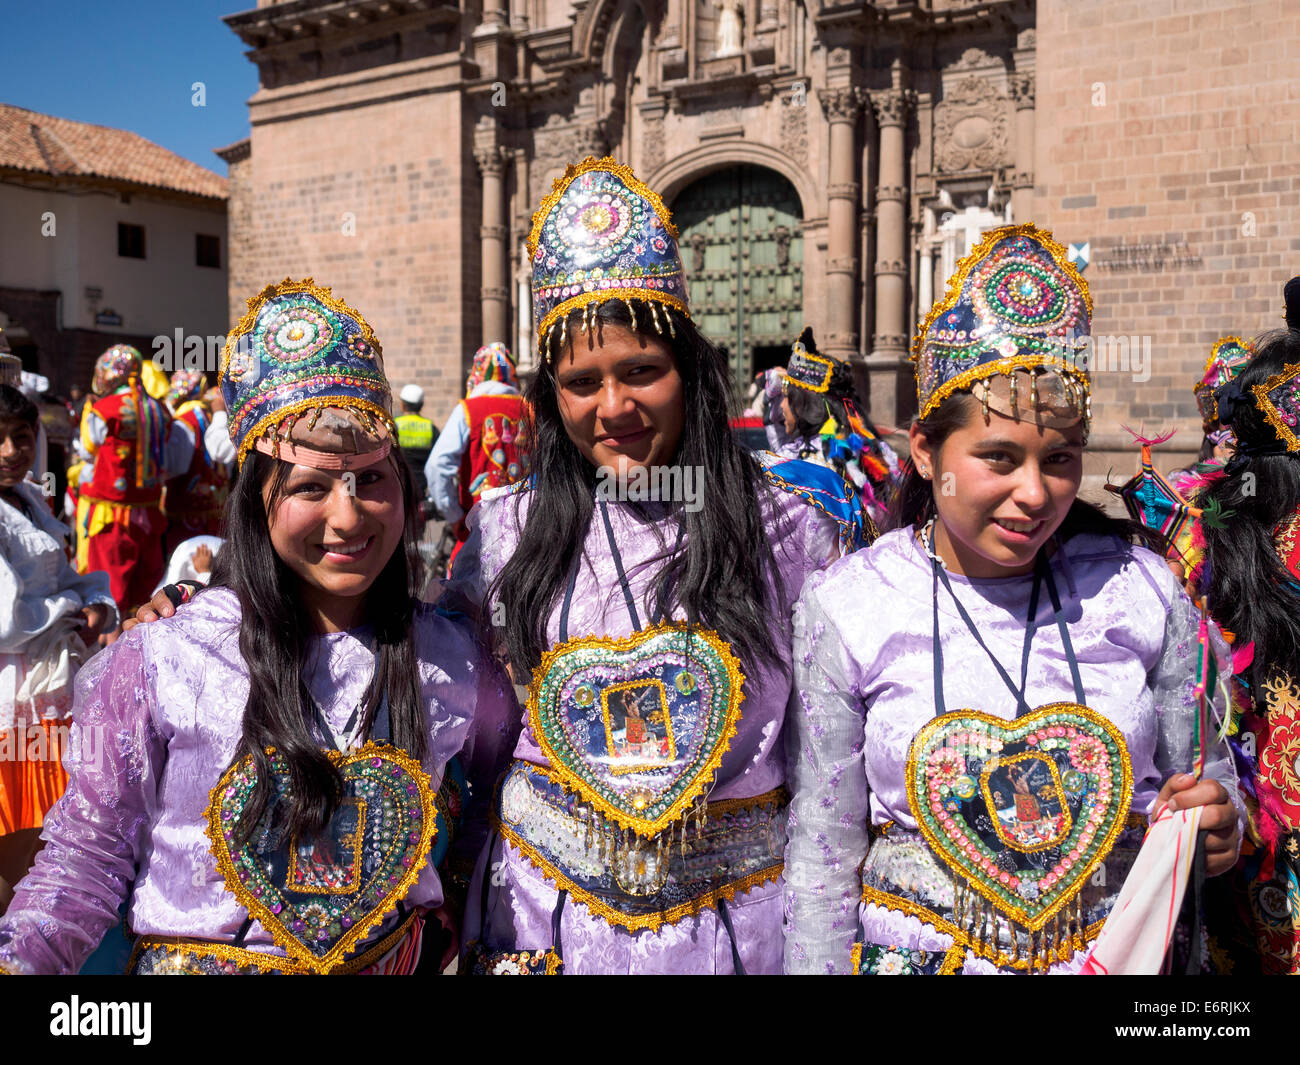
492, 362
1278, 399
1016, 307
807, 368
297, 354
602, 235
115, 368
1227, 358
185, 385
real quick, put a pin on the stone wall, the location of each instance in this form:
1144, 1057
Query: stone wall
1167, 138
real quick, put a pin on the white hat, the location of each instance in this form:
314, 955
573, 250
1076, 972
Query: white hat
411, 394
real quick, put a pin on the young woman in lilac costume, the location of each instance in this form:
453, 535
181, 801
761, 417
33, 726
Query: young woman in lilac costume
974, 771
640, 828
309, 642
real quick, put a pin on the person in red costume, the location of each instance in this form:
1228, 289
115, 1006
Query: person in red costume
194, 500
134, 449
484, 444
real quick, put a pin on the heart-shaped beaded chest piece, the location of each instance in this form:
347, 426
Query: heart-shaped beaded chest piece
637, 726
319, 898
1023, 810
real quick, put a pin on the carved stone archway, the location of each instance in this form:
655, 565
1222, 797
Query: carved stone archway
671, 177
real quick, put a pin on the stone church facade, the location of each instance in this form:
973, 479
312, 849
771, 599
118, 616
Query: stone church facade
827, 164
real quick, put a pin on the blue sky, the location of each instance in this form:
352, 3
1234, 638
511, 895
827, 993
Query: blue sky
131, 64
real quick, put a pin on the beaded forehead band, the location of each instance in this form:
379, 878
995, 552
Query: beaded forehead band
602, 235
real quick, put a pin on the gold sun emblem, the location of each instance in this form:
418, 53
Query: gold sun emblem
596, 218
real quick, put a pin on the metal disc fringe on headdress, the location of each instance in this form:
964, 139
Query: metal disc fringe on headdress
601, 235
1015, 303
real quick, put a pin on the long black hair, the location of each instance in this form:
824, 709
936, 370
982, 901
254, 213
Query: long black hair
275, 637
914, 502
718, 579
1244, 580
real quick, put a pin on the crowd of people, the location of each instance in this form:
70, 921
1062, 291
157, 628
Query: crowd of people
846, 715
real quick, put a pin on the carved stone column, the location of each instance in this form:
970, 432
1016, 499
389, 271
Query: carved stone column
892, 108
493, 234
842, 107
1022, 181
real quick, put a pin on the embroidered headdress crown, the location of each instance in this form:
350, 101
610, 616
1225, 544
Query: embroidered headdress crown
602, 235
297, 351
1015, 303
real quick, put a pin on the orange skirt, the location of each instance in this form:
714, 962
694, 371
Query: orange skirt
32, 777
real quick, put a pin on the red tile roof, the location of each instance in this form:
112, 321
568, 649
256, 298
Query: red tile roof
63, 148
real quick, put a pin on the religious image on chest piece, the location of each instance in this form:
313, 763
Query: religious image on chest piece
1025, 797
330, 861
638, 726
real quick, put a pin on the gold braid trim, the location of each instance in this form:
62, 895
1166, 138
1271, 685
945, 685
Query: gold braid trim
242, 956
653, 921
269, 423
1080, 873
957, 282
609, 164
963, 943
1265, 405
259, 910
703, 778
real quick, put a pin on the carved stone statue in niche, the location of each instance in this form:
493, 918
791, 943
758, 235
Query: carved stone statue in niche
730, 27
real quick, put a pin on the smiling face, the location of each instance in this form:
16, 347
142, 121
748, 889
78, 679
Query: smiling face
620, 397
1001, 490
17, 451
337, 534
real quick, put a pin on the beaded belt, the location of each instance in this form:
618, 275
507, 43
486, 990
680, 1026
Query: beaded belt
396, 954
902, 874
631, 882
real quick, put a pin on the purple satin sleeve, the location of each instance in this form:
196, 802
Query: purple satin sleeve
94, 836
487, 752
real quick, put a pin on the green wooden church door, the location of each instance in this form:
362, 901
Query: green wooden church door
742, 245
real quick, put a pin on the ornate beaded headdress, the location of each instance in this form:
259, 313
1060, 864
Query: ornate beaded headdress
185, 385
1015, 303
492, 362
297, 353
602, 235
115, 368
806, 368
1278, 399
1227, 358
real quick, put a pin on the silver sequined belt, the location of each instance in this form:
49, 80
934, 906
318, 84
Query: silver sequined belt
721, 849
